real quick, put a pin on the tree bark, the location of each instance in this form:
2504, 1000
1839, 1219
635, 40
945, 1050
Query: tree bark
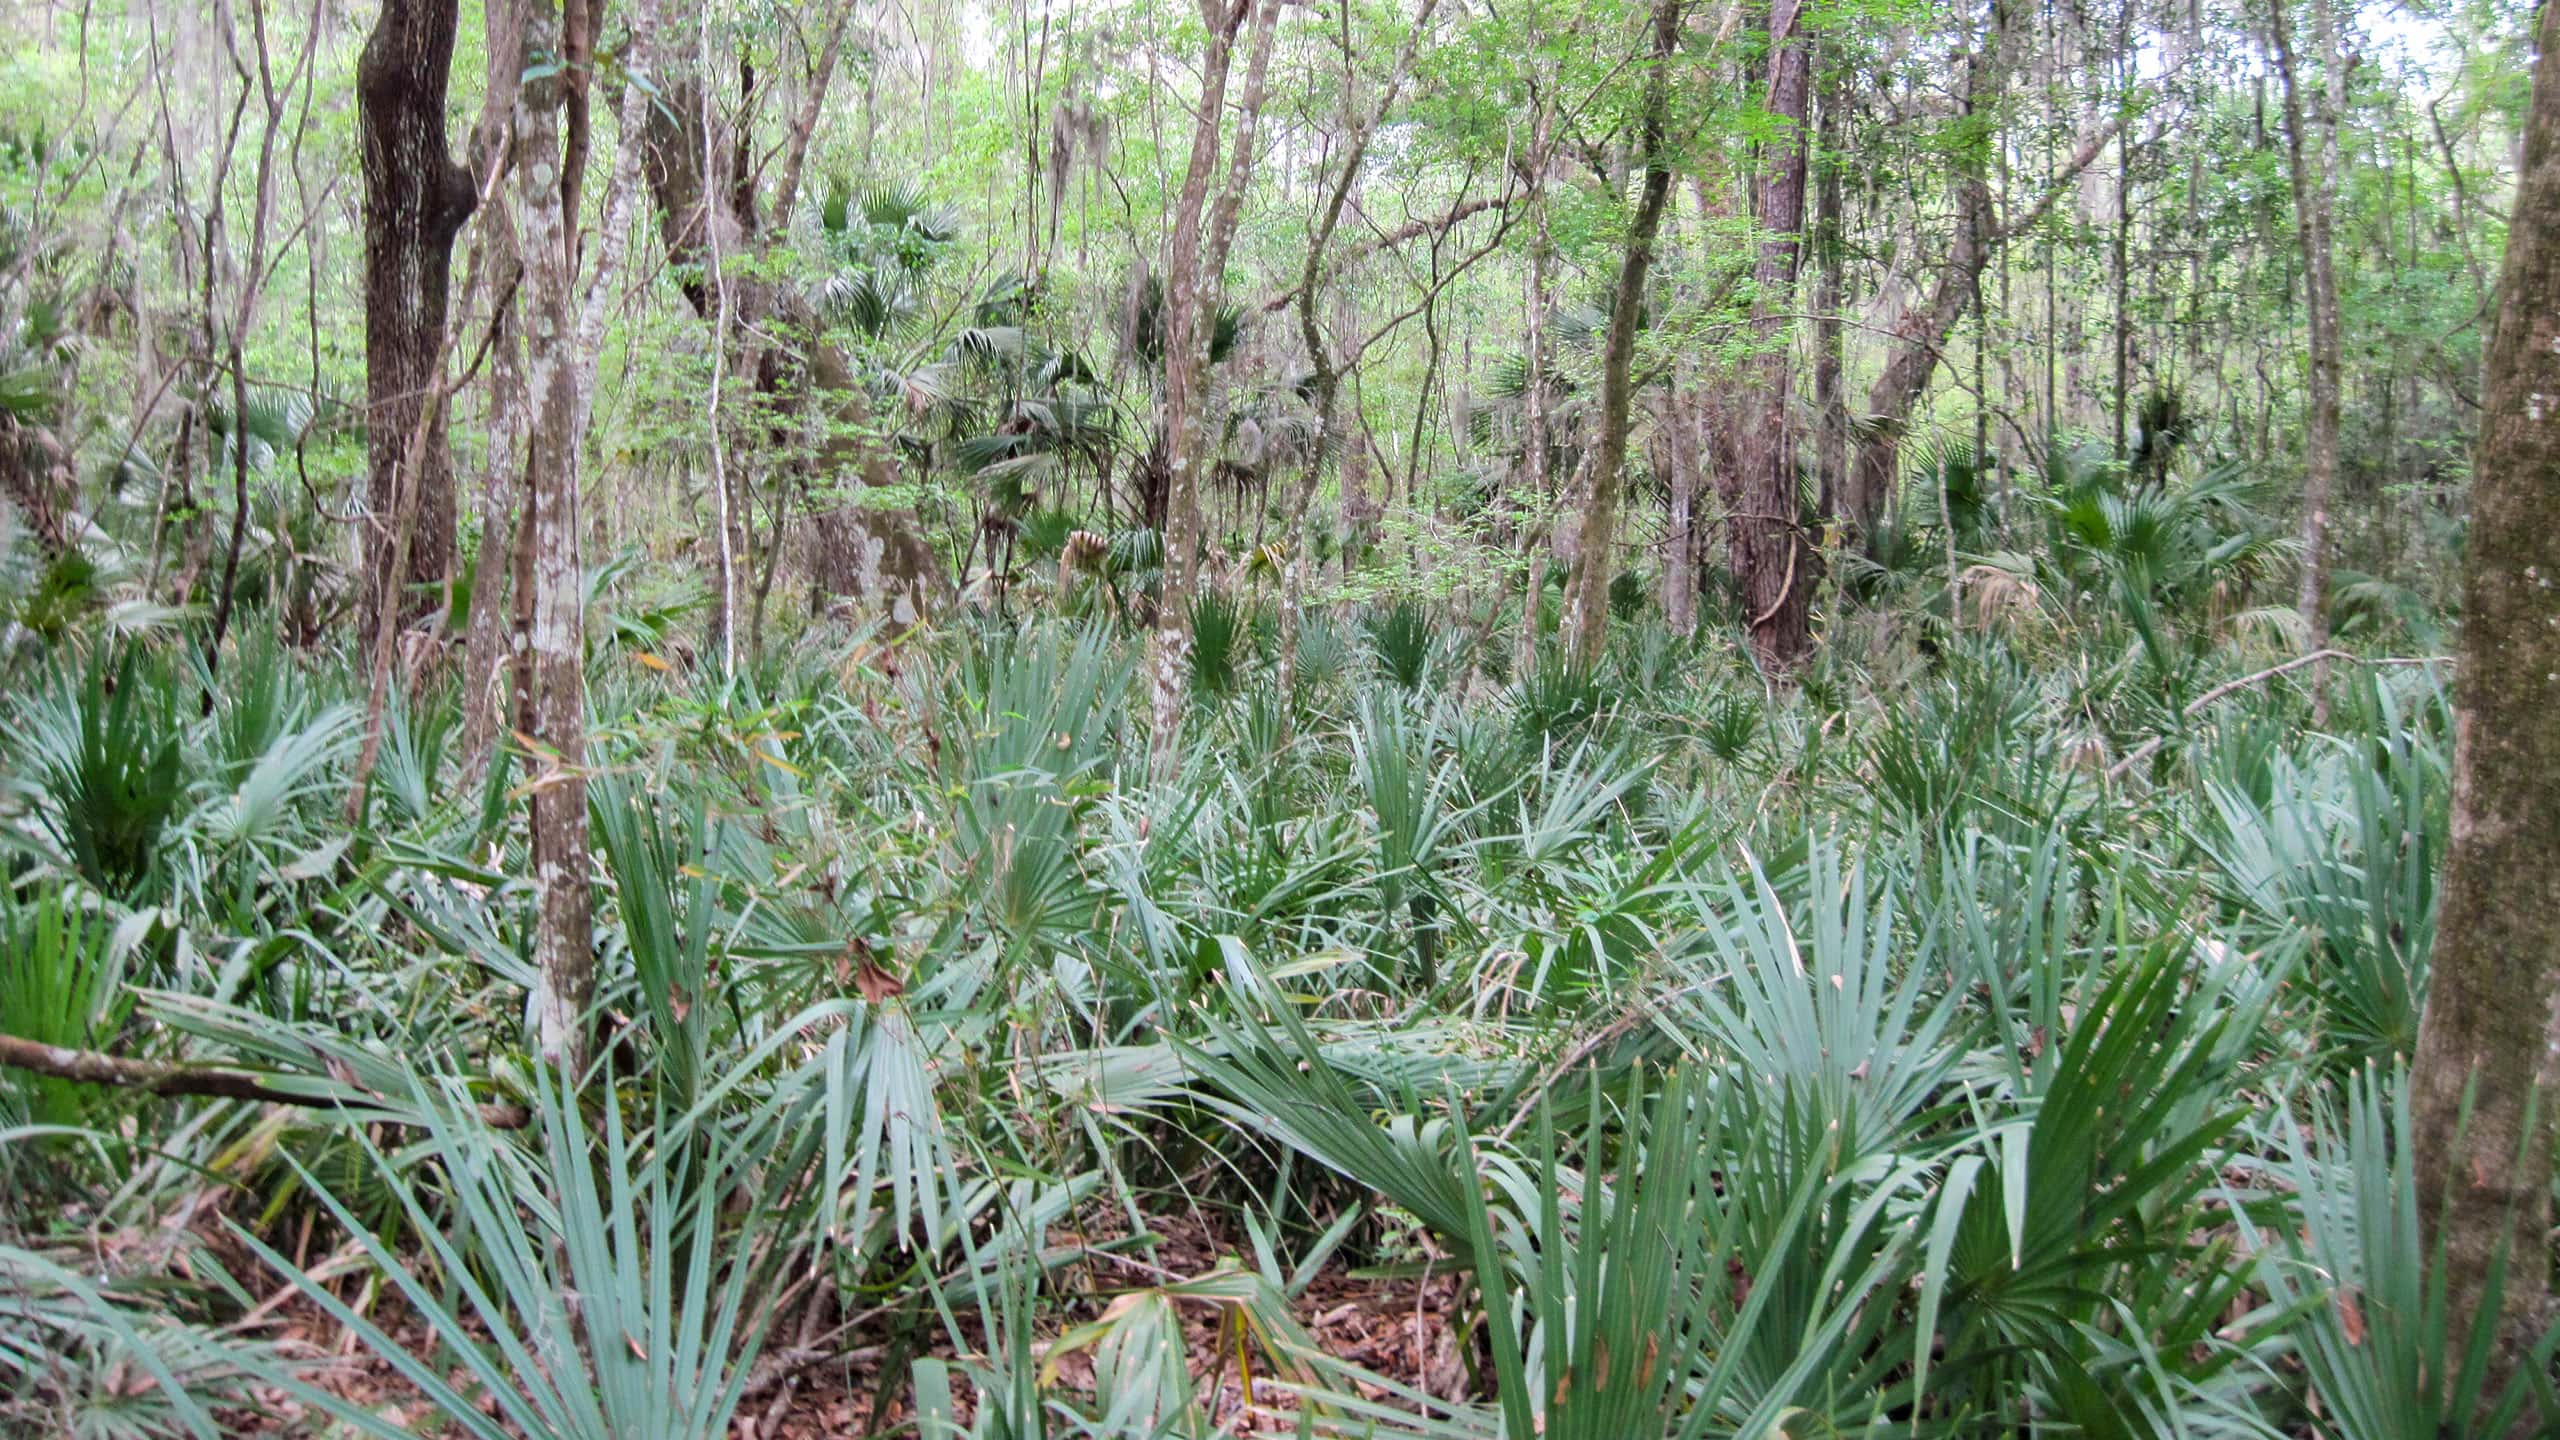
1325, 381
2313, 160
1777, 566
416, 200
488, 638
485, 632
1587, 617
215, 1082
2493, 997
1830, 296
564, 949
1536, 434
1195, 271
1680, 535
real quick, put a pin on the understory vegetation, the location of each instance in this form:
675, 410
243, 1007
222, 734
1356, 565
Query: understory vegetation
1876, 1053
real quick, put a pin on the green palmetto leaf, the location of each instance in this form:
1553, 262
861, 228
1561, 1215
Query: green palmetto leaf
613, 1300
66, 1340
2350, 1271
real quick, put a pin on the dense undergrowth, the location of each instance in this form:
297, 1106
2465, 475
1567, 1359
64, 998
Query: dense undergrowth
1878, 1054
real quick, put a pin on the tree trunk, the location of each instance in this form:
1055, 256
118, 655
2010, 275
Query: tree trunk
555, 641
1587, 617
2313, 160
2493, 997
1830, 296
1777, 566
501, 493
877, 557
1325, 383
488, 637
1922, 333
1536, 442
416, 200
1680, 535
1194, 287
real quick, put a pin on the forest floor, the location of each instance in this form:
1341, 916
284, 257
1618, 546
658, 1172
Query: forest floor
1398, 1327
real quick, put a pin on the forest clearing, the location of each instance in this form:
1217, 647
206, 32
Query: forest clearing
1152, 719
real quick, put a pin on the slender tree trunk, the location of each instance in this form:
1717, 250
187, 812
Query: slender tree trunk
1777, 565
1193, 290
1680, 535
1830, 297
563, 945
1921, 335
2311, 148
1325, 381
488, 638
1537, 441
416, 200
501, 494
2493, 997
708, 212
1587, 619
244, 309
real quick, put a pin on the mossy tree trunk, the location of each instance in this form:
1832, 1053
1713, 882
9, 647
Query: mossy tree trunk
2491, 1034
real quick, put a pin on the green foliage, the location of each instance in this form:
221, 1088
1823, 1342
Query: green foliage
109, 751
658, 1340
1400, 638
1989, 1029
60, 984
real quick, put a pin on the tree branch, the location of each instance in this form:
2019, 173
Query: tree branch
217, 1082
1388, 240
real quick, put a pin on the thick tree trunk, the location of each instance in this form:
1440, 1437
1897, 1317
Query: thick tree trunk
1587, 617
2313, 160
1777, 566
416, 200
563, 943
2491, 1033
1194, 286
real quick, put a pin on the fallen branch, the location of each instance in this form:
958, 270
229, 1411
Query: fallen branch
2197, 706
217, 1082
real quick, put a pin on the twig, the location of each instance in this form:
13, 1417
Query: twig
2197, 706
